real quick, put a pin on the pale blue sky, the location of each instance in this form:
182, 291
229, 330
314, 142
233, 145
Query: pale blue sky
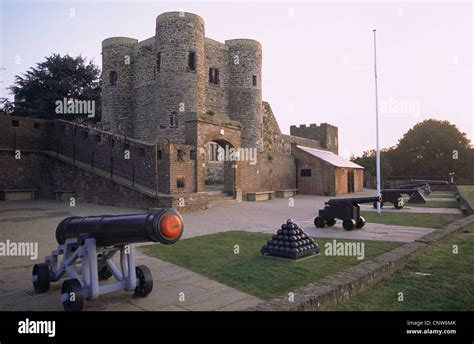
317, 56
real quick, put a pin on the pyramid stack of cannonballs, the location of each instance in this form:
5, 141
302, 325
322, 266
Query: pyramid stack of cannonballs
290, 242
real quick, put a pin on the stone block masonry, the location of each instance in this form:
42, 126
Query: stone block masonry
325, 133
27, 134
147, 166
47, 174
164, 100
180, 70
124, 157
152, 88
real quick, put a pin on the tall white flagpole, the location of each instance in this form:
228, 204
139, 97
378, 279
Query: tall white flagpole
377, 150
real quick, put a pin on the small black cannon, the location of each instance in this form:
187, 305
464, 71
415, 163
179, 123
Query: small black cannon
87, 246
433, 185
420, 186
345, 209
395, 196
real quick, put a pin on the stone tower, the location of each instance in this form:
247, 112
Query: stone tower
151, 87
245, 91
117, 74
181, 76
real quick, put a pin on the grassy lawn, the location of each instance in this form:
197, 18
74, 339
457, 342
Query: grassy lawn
436, 280
440, 195
468, 192
213, 256
409, 219
435, 204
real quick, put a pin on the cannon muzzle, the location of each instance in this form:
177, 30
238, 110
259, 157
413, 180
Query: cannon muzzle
165, 225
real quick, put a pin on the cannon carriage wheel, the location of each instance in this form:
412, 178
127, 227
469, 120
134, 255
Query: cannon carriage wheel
348, 224
72, 296
399, 203
360, 223
41, 277
105, 273
375, 205
319, 222
145, 281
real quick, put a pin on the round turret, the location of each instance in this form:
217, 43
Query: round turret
180, 79
245, 91
117, 82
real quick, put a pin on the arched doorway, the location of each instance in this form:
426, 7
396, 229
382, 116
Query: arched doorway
220, 167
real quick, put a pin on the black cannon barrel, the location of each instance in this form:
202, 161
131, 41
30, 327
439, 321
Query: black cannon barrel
413, 185
354, 200
403, 191
164, 225
427, 181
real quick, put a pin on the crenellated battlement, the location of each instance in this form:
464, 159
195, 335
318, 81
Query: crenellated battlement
325, 133
148, 84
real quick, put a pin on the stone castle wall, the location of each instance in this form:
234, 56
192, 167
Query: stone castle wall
36, 142
217, 96
155, 82
325, 133
164, 112
124, 157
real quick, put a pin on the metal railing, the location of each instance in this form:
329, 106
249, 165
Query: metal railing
68, 148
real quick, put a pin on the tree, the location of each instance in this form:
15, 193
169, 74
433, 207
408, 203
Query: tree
368, 161
6, 106
57, 78
432, 148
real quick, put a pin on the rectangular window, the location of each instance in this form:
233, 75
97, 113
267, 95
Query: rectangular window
36, 125
158, 62
305, 172
254, 80
174, 120
180, 155
192, 155
180, 182
214, 76
192, 61
15, 123
112, 78
158, 155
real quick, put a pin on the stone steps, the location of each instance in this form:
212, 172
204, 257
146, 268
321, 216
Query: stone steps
106, 175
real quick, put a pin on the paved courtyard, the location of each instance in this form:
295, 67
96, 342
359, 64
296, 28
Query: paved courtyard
175, 289
35, 221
